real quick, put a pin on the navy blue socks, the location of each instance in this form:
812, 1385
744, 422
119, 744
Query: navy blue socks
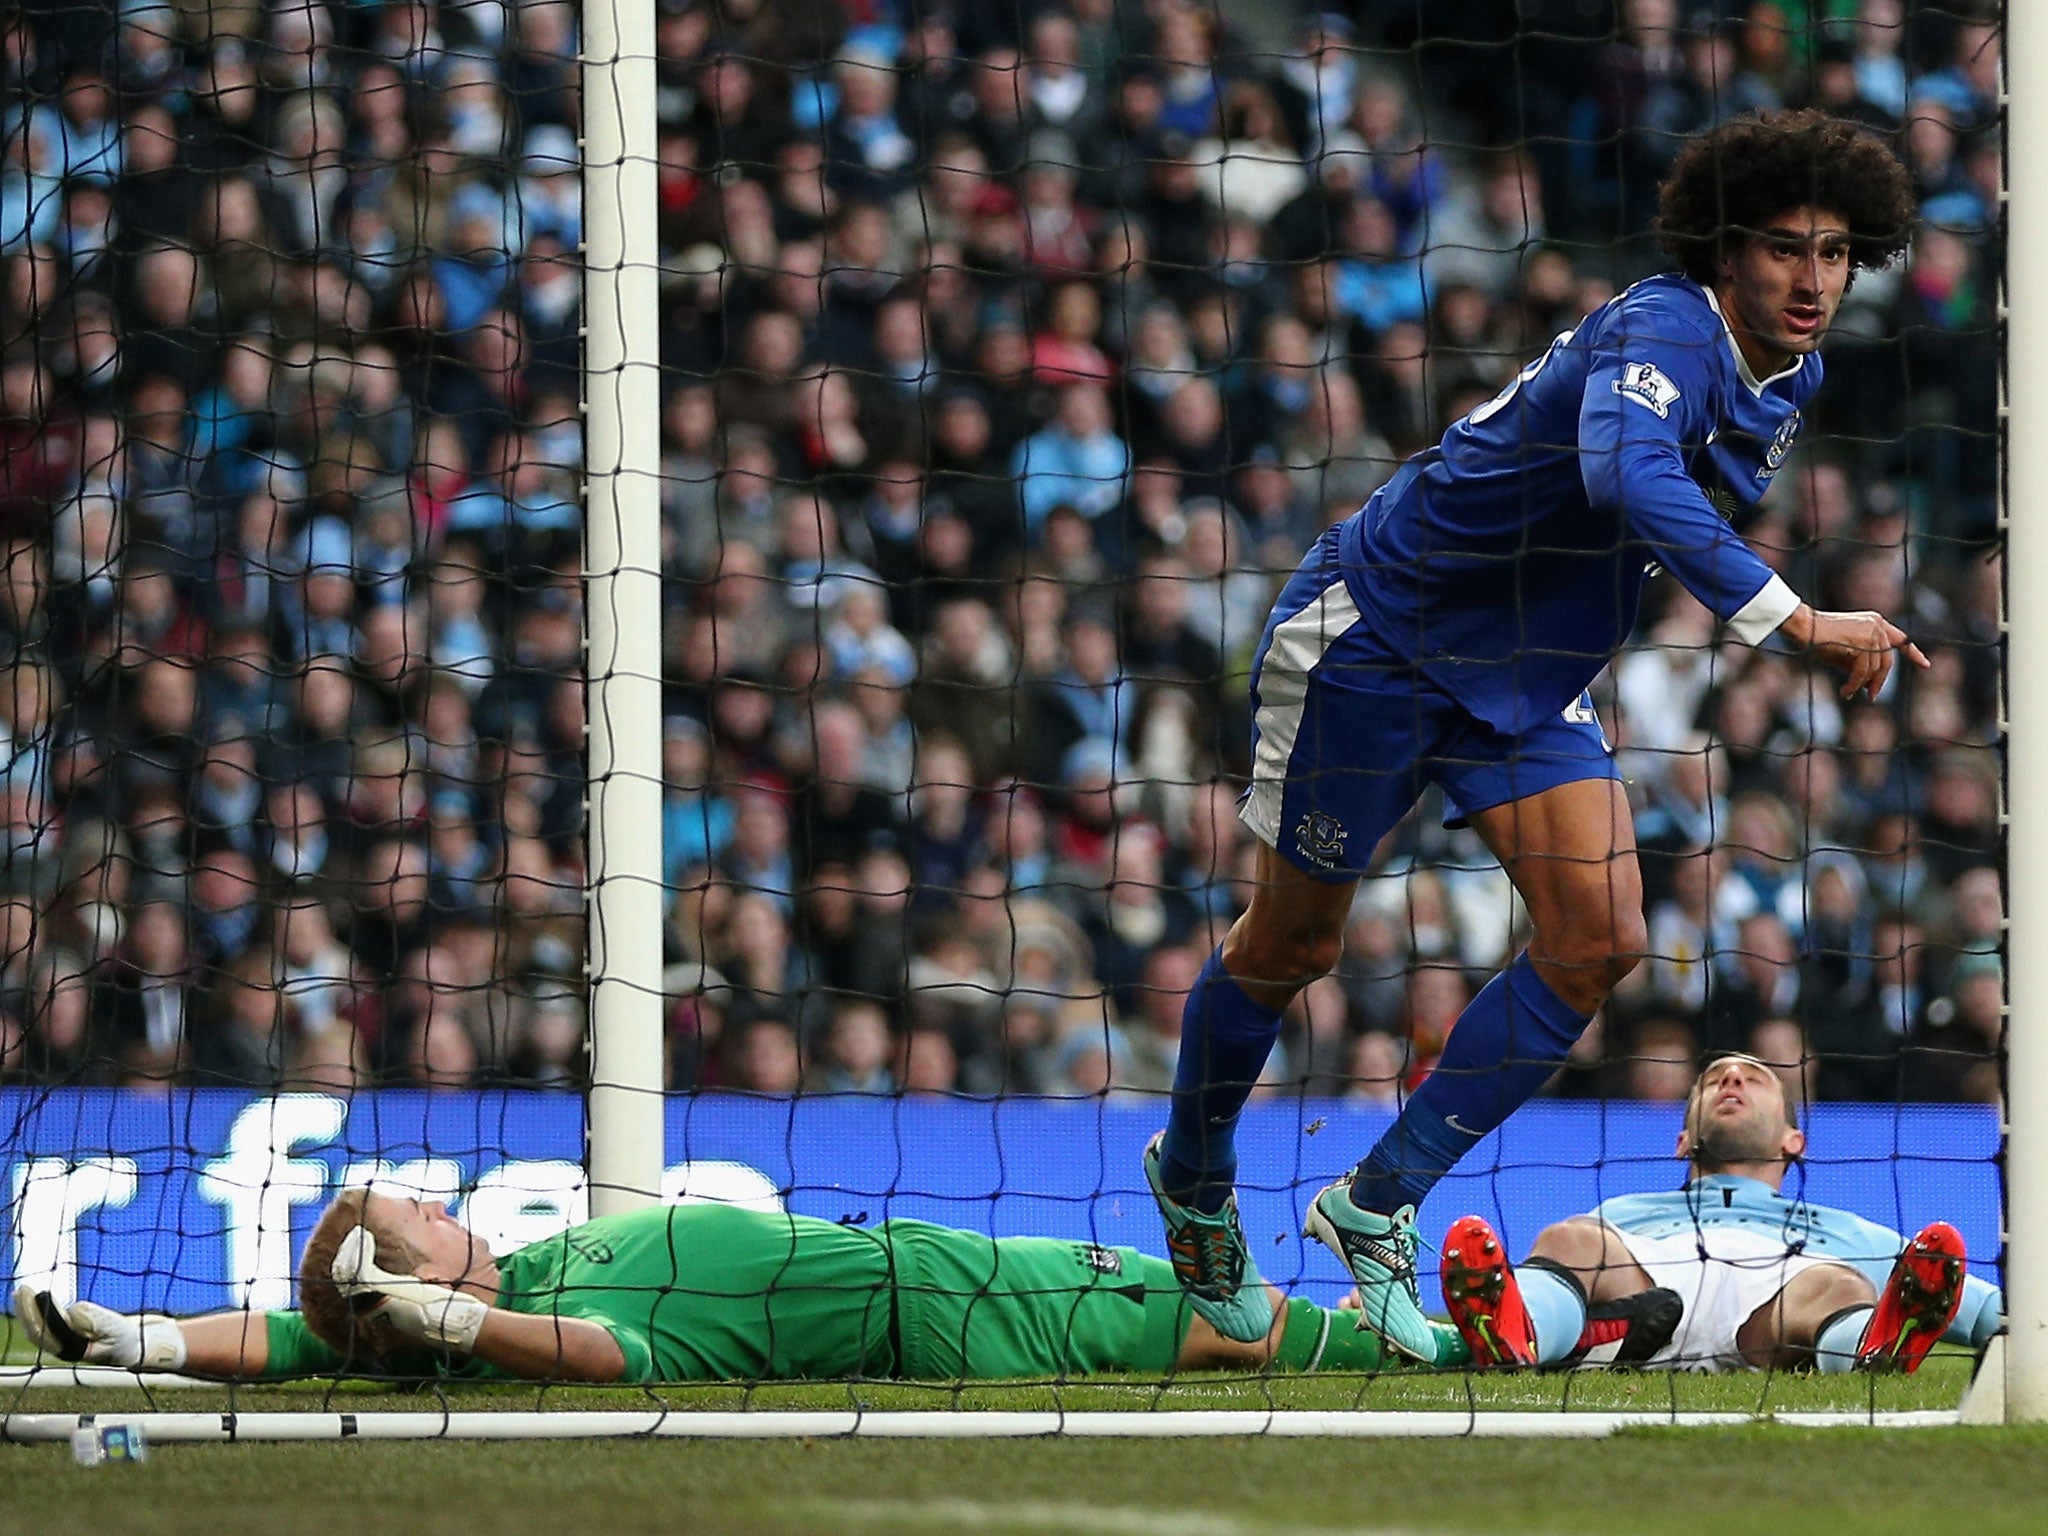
1225, 1038
1503, 1049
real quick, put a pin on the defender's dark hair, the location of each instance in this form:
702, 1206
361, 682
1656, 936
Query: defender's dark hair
1730, 182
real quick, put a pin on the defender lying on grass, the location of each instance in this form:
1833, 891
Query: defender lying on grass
391, 1286
1724, 1273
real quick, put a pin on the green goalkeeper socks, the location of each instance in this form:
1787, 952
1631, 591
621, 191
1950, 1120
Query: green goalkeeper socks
1318, 1339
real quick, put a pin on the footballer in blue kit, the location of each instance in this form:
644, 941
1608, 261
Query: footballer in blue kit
1447, 634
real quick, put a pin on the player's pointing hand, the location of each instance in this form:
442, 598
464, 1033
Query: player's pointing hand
1862, 646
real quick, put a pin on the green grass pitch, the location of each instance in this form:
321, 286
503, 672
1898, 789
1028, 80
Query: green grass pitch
1654, 1482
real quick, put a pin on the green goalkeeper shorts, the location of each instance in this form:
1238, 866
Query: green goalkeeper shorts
970, 1307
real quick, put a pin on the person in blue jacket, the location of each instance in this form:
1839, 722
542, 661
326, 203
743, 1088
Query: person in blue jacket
1447, 633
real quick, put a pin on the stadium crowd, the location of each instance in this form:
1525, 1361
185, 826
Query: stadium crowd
1013, 354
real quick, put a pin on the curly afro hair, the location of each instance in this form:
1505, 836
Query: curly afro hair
1736, 178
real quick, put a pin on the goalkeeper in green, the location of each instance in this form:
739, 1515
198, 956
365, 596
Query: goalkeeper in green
392, 1286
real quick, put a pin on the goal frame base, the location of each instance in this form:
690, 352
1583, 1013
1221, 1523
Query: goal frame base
245, 1428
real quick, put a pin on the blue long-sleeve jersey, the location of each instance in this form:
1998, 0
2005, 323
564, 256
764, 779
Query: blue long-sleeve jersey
1817, 1231
1509, 559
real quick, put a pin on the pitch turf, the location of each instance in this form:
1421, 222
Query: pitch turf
1651, 1483
1644, 1483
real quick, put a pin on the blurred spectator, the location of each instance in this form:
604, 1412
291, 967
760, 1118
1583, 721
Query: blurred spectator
1781, 1045
855, 1054
1683, 932
1093, 1062
1954, 1055
1378, 1069
1076, 462
1662, 1061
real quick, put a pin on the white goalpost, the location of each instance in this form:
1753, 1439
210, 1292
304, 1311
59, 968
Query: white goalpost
622, 395
2025, 1362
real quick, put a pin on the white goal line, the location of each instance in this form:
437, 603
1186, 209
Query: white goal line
54, 1428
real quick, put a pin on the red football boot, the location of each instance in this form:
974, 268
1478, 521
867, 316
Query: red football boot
1482, 1298
1918, 1304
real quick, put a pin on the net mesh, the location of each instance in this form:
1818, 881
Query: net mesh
1011, 359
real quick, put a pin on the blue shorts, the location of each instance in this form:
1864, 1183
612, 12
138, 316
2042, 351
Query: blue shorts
1346, 735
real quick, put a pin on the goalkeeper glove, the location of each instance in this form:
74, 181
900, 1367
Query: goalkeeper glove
87, 1333
419, 1309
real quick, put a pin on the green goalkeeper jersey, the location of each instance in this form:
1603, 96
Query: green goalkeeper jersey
716, 1293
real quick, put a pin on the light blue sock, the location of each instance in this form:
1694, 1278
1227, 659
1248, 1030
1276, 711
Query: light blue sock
1834, 1351
1557, 1311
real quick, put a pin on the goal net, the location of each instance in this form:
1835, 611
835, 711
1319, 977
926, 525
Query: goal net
1005, 361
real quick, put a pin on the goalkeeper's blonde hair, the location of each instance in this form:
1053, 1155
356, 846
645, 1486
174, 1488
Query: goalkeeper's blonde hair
329, 1315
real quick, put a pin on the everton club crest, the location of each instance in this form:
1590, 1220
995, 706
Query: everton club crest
1321, 837
1781, 444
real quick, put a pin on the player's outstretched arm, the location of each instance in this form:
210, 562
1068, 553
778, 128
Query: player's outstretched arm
228, 1346
1861, 646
